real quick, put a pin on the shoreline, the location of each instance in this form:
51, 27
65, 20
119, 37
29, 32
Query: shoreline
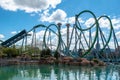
52, 61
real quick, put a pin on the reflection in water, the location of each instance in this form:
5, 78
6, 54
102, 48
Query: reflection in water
53, 72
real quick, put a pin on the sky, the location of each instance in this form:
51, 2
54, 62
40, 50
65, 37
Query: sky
16, 15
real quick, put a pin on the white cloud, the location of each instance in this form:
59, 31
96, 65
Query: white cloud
14, 32
57, 16
71, 20
8, 5
53, 3
28, 5
2, 36
116, 23
104, 23
118, 35
89, 22
64, 32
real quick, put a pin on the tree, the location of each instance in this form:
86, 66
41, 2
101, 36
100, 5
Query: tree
57, 55
1, 54
32, 50
10, 52
46, 53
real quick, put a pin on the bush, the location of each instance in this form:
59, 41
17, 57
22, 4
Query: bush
96, 60
57, 55
32, 51
1, 54
45, 53
11, 52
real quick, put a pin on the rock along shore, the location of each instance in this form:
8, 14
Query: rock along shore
52, 60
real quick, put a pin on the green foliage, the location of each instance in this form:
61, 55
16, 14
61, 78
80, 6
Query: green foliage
95, 60
11, 52
57, 55
1, 54
46, 53
33, 50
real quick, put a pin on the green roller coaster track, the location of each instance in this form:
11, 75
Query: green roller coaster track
79, 33
96, 22
77, 25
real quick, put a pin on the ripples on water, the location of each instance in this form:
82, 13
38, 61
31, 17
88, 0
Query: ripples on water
52, 72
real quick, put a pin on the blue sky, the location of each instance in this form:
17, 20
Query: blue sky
16, 15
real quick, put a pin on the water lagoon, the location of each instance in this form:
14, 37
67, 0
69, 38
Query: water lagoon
63, 72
